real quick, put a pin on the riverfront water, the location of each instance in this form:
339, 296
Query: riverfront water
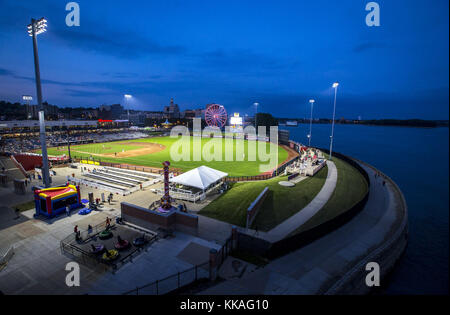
417, 160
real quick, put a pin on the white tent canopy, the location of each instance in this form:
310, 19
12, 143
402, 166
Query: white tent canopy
201, 177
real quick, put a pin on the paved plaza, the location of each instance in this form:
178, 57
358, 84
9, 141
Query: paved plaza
314, 268
38, 266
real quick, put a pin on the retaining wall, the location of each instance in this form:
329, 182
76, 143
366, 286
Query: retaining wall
153, 220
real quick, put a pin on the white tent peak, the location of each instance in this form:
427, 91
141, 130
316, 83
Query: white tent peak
201, 177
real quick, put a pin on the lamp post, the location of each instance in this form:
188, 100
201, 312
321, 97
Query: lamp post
335, 86
256, 116
310, 122
127, 97
35, 28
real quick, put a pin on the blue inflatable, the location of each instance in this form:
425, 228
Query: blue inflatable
84, 211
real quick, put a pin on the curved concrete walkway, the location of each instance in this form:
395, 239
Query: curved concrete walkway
290, 225
213, 229
321, 266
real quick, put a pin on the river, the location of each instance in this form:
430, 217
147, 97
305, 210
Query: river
417, 159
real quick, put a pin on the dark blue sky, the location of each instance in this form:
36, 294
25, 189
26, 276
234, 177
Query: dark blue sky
279, 53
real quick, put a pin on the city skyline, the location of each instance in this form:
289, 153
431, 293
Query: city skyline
235, 54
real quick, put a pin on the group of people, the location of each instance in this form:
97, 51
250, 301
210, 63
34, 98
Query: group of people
90, 228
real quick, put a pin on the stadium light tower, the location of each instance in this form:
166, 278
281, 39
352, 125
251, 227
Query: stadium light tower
335, 86
27, 99
310, 122
127, 97
35, 28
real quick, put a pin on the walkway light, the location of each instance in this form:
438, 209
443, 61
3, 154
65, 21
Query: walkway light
310, 122
335, 86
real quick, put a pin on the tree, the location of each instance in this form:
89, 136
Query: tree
265, 119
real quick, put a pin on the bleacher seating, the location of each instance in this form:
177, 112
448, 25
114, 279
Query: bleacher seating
29, 162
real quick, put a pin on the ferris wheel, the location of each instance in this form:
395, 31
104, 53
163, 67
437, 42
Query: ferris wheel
215, 115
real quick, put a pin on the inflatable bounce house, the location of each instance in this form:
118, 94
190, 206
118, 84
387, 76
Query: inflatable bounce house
52, 201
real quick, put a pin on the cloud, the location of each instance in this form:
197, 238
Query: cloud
92, 35
81, 93
6, 72
367, 46
126, 45
242, 61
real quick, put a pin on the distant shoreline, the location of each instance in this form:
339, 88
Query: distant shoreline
377, 123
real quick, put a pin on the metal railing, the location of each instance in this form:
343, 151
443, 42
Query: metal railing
173, 282
67, 245
233, 179
183, 194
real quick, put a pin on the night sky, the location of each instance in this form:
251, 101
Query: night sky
235, 52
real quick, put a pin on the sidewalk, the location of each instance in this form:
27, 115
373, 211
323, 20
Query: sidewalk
287, 227
316, 267
291, 224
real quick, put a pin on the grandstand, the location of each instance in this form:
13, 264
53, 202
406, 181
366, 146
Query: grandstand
115, 180
11, 168
30, 144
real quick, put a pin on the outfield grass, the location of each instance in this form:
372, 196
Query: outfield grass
233, 168
351, 188
281, 202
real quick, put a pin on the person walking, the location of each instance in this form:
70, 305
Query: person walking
107, 222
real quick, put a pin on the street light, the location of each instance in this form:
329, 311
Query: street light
310, 123
35, 28
335, 86
127, 97
256, 116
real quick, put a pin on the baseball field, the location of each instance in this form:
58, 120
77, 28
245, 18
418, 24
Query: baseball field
155, 150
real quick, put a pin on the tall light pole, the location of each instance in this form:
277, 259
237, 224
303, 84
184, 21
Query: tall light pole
27, 98
127, 97
335, 86
256, 116
310, 122
35, 28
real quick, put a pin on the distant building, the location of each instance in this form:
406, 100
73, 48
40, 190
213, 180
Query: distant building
90, 114
134, 118
33, 125
110, 111
193, 113
49, 111
172, 111
155, 115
